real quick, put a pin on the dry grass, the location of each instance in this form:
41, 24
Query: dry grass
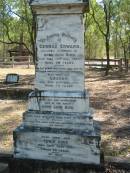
11, 109
21, 71
110, 97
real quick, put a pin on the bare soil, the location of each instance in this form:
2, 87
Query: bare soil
13, 102
109, 96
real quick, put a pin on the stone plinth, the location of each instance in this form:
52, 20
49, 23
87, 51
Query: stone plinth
57, 145
58, 125
69, 121
59, 102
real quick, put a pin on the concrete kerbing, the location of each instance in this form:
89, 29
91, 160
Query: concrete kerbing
3, 168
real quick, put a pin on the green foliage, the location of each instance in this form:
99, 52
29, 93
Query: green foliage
119, 29
16, 25
94, 40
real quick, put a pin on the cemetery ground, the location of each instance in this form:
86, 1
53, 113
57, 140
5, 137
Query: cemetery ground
109, 96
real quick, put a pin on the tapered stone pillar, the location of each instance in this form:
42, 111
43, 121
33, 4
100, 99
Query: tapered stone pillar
58, 125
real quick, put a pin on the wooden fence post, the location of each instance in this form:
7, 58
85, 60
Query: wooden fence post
120, 65
115, 62
29, 62
12, 62
127, 65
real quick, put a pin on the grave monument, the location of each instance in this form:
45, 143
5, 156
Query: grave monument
58, 125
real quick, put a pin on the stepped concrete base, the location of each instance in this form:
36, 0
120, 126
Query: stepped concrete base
57, 145
31, 166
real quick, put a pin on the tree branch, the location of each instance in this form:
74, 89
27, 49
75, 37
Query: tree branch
95, 20
11, 41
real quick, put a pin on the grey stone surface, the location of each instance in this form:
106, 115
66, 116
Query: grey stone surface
60, 53
59, 102
52, 2
58, 147
54, 104
59, 120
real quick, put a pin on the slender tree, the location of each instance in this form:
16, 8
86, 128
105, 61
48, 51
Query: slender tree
105, 12
18, 17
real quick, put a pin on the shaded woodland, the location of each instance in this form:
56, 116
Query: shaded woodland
107, 28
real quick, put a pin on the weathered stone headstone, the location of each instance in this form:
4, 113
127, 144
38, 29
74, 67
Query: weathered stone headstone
12, 78
58, 125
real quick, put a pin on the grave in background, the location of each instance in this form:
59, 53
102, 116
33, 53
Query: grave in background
58, 125
12, 78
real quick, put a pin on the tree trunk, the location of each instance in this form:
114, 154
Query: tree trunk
116, 47
125, 60
108, 56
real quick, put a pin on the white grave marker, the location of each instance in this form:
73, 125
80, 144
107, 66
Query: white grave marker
58, 125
